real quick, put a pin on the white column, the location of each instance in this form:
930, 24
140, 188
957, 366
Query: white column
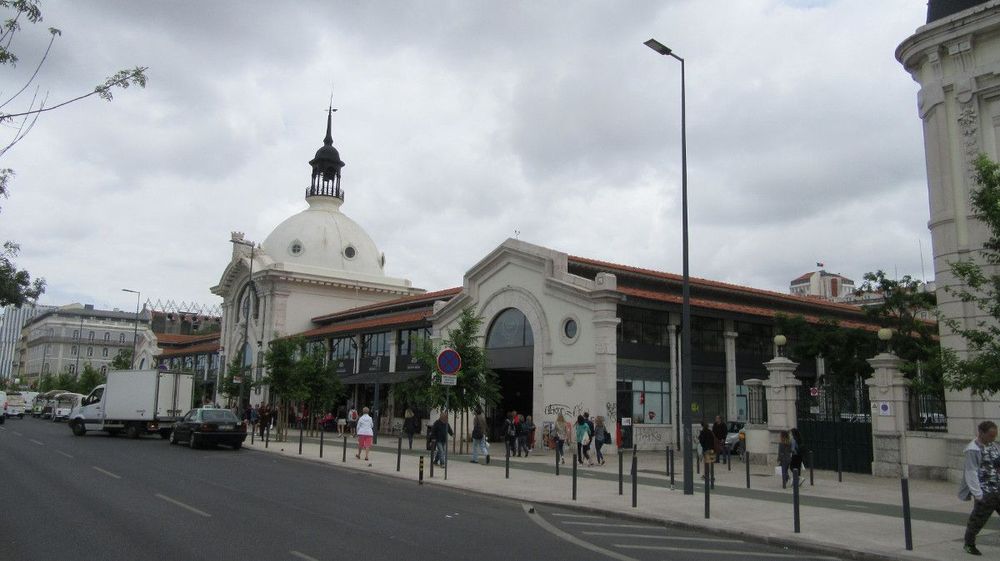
730, 373
888, 391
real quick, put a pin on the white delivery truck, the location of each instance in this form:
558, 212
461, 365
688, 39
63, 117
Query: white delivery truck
15, 405
135, 402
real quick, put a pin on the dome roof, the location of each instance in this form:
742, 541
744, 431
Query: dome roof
323, 239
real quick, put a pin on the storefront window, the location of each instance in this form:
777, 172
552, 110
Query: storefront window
647, 401
342, 348
647, 327
375, 344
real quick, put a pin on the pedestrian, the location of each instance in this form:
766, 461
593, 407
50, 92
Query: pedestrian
601, 437
720, 431
366, 432
561, 434
265, 419
341, 420
584, 434
706, 438
411, 425
352, 420
525, 428
440, 430
798, 452
784, 455
478, 436
510, 433
981, 481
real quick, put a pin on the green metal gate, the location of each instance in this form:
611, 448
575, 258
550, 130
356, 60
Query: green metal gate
837, 418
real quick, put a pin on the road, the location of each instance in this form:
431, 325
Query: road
110, 498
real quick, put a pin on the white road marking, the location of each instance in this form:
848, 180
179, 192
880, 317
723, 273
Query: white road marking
565, 515
662, 537
63, 453
16, 433
106, 472
37, 442
721, 551
545, 524
3, 429
182, 505
606, 525
301, 555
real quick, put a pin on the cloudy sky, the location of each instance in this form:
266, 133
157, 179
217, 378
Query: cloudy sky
464, 122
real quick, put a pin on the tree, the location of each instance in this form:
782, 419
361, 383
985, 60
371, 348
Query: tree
844, 350
16, 286
64, 381
90, 378
979, 371
122, 360
477, 385
298, 373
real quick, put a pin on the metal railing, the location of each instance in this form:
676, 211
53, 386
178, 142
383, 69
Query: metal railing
927, 412
756, 405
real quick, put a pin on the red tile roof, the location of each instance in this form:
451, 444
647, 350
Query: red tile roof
209, 347
391, 320
428, 297
178, 339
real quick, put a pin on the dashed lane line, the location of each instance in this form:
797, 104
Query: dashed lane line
64, 454
106, 472
721, 551
301, 555
183, 505
550, 528
662, 537
37, 442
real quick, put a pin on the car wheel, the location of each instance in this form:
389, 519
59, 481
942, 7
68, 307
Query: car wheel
173, 437
132, 431
78, 428
193, 442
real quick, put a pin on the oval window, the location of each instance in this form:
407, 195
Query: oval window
350, 252
570, 328
296, 248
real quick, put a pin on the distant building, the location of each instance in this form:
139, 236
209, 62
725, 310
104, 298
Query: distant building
12, 319
821, 284
67, 338
872, 299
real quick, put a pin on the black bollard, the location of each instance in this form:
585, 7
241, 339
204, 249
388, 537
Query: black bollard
399, 451
420, 477
344, 459
431, 474
812, 464
795, 500
907, 530
746, 463
710, 472
671, 468
301, 429
506, 467
446, 462
697, 463
635, 481
729, 460
253, 431
621, 470
557, 464
708, 492
666, 460
840, 465
574, 477
487, 457
267, 435
321, 432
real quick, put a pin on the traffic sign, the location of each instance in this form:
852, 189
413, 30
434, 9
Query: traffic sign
449, 380
449, 361
814, 391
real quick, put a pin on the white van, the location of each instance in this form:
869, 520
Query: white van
15, 405
64, 404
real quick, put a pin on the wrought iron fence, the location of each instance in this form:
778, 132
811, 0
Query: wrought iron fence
756, 405
927, 412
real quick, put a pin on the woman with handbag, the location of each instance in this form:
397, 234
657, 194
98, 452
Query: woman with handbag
583, 436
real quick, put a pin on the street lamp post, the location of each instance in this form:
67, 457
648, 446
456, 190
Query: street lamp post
686, 369
135, 332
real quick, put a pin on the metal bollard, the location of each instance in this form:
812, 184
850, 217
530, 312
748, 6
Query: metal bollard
710, 472
431, 475
666, 460
621, 470
267, 435
729, 460
635, 481
708, 492
697, 463
301, 429
321, 432
399, 451
557, 464
795, 500
671, 469
907, 530
506, 467
574, 477
446, 462
487, 458
344, 459
746, 463
840, 466
253, 431
420, 477
812, 464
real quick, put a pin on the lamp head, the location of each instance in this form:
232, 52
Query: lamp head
658, 47
884, 334
780, 340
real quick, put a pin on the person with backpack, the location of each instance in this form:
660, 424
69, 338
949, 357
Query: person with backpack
510, 433
411, 426
798, 451
524, 428
478, 436
601, 437
440, 431
584, 434
352, 420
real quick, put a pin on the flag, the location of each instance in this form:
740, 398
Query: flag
818, 264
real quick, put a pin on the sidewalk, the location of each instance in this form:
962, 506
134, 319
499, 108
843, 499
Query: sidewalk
860, 517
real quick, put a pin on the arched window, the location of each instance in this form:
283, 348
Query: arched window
510, 329
121, 339
107, 336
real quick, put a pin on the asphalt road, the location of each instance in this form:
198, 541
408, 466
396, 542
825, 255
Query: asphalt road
109, 498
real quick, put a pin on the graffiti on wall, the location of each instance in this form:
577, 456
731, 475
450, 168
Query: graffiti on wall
565, 410
612, 411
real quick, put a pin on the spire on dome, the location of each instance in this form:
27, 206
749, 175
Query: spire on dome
326, 165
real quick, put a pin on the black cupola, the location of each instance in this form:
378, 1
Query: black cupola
326, 166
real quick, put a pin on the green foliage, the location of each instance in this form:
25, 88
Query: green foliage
980, 370
122, 360
913, 339
297, 371
844, 350
46, 384
477, 384
89, 379
64, 381
228, 385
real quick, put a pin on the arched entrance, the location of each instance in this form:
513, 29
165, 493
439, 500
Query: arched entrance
510, 347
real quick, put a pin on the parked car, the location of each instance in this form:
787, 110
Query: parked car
63, 405
209, 425
15, 405
735, 441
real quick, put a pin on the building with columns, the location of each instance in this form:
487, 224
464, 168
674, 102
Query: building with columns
954, 58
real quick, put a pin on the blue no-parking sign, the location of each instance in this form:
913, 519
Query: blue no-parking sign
449, 361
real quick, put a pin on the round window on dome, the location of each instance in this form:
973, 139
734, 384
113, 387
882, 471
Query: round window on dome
296, 248
350, 252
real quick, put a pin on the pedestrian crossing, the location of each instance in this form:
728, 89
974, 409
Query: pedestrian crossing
630, 540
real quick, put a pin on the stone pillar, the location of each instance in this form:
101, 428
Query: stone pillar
730, 342
781, 390
889, 392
